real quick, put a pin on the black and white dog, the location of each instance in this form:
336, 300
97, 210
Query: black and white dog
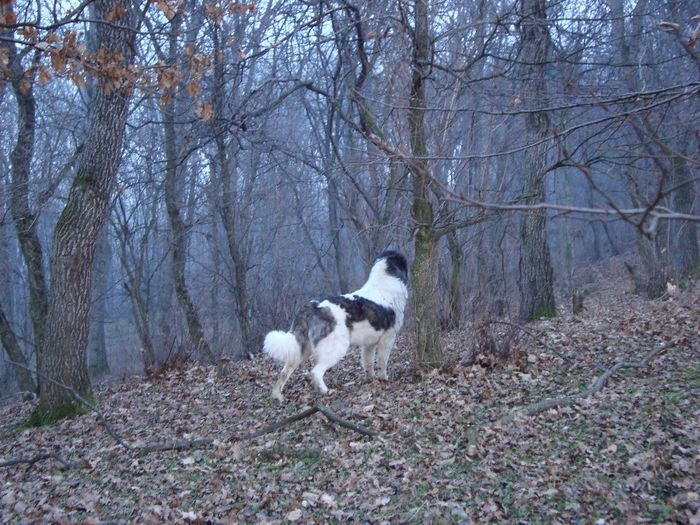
369, 318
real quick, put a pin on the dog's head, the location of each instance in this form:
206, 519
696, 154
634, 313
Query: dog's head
396, 265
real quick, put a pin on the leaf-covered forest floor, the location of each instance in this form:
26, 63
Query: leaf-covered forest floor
627, 454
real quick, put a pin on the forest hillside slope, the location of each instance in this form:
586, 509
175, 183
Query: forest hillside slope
627, 453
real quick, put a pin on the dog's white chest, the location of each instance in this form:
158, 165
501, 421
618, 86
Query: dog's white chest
363, 334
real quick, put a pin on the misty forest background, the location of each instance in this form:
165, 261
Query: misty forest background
177, 178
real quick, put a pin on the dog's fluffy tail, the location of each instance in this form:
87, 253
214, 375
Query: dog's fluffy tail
282, 346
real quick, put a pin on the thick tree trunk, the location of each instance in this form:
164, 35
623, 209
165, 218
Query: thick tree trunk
81, 222
536, 274
424, 275
172, 204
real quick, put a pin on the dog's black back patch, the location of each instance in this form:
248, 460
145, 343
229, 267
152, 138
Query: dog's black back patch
396, 265
312, 324
362, 309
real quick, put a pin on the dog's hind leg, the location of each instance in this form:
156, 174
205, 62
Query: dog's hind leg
367, 358
328, 352
384, 347
282, 380
317, 378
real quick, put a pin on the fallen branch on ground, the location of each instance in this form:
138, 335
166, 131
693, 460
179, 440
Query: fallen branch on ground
556, 402
35, 459
175, 445
200, 443
330, 415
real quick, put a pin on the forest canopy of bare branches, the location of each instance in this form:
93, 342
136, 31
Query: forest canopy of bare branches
178, 177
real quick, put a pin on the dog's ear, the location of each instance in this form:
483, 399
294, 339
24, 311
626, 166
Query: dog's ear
396, 265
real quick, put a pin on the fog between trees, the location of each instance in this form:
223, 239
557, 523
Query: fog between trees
178, 178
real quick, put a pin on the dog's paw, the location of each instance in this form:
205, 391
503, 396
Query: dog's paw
383, 377
278, 396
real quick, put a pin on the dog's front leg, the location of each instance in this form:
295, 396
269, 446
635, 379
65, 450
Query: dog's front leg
384, 347
367, 353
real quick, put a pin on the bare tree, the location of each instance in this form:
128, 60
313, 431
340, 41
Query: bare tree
536, 275
83, 217
24, 218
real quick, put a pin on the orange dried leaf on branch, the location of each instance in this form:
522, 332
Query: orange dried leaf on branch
44, 76
204, 111
58, 61
169, 9
25, 86
194, 88
166, 98
214, 12
29, 33
117, 12
168, 77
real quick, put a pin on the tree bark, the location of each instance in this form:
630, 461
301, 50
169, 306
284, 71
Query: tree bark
424, 275
82, 220
535, 268
97, 345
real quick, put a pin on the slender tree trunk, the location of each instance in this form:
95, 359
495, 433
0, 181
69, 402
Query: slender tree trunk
454, 310
535, 267
429, 353
26, 220
9, 341
685, 252
81, 222
173, 207
334, 222
234, 239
